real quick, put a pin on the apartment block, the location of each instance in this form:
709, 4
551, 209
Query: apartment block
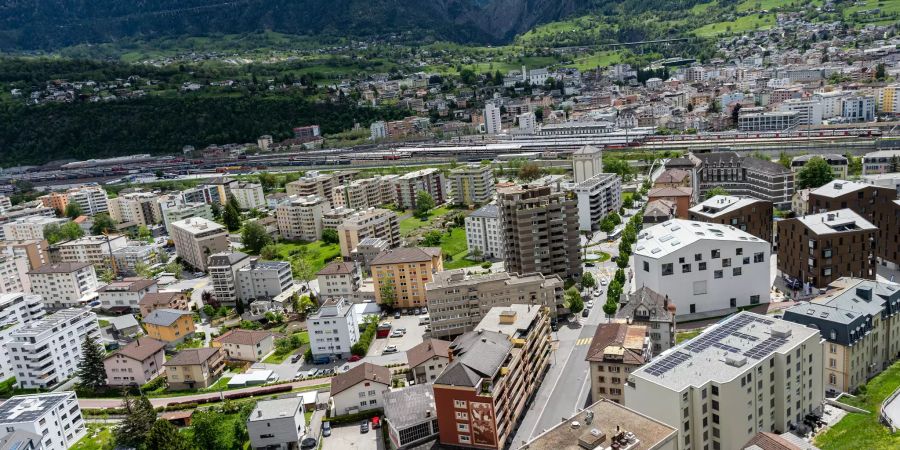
14, 274
366, 193
248, 195
838, 164
371, 223
742, 176
128, 258
472, 185
338, 279
50, 421
171, 326
174, 212
125, 295
205, 193
616, 350
881, 162
21, 211
36, 251
744, 213
888, 220
458, 301
97, 250
864, 199
429, 180
136, 363
322, 185
194, 368
138, 208
587, 163
597, 196
406, 271
264, 280
300, 218
493, 374
167, 300
55, 200
64, 285
769, 121
333, 329
540, 229
277, 424
196, 239
820, 248
16, 309
223, 275
484, 233
653, 311
90, 199
30, 228
46, 352
334, 217
745, 374
703, 267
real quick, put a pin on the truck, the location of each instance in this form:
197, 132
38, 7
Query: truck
383, 330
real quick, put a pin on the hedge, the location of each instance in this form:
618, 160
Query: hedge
365, 340
353, 418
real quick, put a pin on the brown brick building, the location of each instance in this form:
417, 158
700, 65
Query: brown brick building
888, 221
820, 248
745, 213
864, 199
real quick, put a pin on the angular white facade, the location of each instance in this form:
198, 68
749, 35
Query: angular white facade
46, 352
15, 311
55, 418
485, 233
597, 197
333, 329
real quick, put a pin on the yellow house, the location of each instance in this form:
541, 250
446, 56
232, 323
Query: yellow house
169, 325
407, 270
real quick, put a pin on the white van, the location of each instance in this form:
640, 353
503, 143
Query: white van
424, 320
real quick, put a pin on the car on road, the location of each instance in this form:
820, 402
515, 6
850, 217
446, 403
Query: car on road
589, 304
597, 293
397, 315
401, 329
354, 358
390, 349
328, 372
376, 423
296, 358
364, 426
428, 327
603, 282
589, 264
424, 310
94, 303
396, 334
308, 442
326, 429
585, 312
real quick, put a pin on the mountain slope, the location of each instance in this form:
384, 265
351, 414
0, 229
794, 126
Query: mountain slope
48, 24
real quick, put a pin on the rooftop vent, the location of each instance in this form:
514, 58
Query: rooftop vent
735, 360
781, 331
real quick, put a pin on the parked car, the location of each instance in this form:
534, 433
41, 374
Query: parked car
364, 426
597, 293
296, 358
390, 349
396, 334
308, 442
585, 312
354, 358
313, 373
326, 429
417, 311
397, 314
424, 310
376, 423
614, 258
401, 329
589, 264
603, 282
589, 304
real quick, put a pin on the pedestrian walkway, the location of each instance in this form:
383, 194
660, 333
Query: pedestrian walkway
583, 341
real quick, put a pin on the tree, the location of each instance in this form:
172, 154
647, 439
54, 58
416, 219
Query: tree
610, 308
268, 181
144, 233
713, 107
72, 210
854, 165
432, 238
301, 269
269, 252
587, 281
216, 210
619, 167
388, 294
303, 304
142, 270
91, 372
476, 254
231, 218
880, 72
164, 436
107, 276
467, 76
232, 202
628, 203
424, 204
718, 190
175, 268
210, 432
139, 419
573, 300
254, 237
814, 174
54, 233
784, 160
330, 236
103, 224
529, 172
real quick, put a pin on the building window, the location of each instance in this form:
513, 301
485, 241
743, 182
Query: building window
667, 269
754, 299
464, 427
717, 274
700, 287
716, 253
459, 404
646, 266
685, 268
759, 257
462, 416
726, 262
464, 438
736, 271
701, 266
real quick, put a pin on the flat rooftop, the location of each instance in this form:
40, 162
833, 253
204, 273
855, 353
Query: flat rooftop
410, 406
840, 221
61, 318
29, 408
509, 320
837, 188
724, 351
660, 240
275, 409
720, 204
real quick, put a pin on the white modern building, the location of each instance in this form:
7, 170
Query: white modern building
125, 294
492, 119
46, 352
127, 258
587, 162
597, 196
196, 239
809, 112
484, 232
90, 199
53, 420
858, 108
248, 195
527, 123
277, 424
338, 279
333, 329
748, 373
97, 249
300, 218
30, 228
15, 311
64, 285
703, 267
223, 275
264, 280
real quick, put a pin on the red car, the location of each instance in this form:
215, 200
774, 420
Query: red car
354, 358
376, 423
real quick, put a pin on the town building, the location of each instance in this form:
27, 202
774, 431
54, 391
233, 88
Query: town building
427, 360
768, 121
196, 239
125, 295
334, 217
888, 220
46, 352
50, 421
136, 208
223, 275
838, 164
682, 197
210, 194
457, 301
30, 228
129, 258
14, 274
606, 424
264, 280
705, 268
492, 119
745, 374
494, 372
366, 251
410, 416
371, 223
540, 229
35, 251
366, 193
97, 250
91, 199
652, 310
300, 218
135, 364
175, 212
880, 162
428, 180
338, 279
858, 320
743, 176
809, 111
673, 178
24, 210
820, 248
248, 195
744, 213
472, 185
587, 163
864, 199
616, 349
658, 211
597, 197
194, 368
405, 271
333, 329
319, 184
484, 233
166, 300
16, 309
359, 389
860, 108
277, 424
55, 200
245, 345
64, 285
171, 326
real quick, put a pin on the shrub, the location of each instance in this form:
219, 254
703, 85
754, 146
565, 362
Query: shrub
365, 340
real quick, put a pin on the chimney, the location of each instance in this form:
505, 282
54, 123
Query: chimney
258, 413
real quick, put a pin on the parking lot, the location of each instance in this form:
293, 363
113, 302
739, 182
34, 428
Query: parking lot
348, 436
412, 337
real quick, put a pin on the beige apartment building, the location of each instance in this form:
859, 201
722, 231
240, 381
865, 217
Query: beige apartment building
194, 368
315, 183
428, 180
616, 350
366, 193
30, 228
300, 218
36, 251
136, 363
472, 185
196, 239
457, 301
97, 250
64, 285
408, 270
334, 217
138, 208
374, 223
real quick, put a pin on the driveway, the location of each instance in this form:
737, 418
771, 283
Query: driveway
349, 437
413, 337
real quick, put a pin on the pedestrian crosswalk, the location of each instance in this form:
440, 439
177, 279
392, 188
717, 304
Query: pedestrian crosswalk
583, 341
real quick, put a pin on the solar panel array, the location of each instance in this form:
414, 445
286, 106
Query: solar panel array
668, 363
765, 347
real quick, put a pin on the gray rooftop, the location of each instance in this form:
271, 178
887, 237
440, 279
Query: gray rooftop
489, 211
519, 317
226, 258
717, 205
840, 221
837, 188
410, 406
29, 408
57, 319
476, 355
275, 409
165, 316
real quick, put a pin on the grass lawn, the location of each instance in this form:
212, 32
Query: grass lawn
864, 430
221, 384
190, 343
599, 59
92, 441
741, 24
279, 355
603, 257
411, 224
682, 336
317, 253
454, 244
